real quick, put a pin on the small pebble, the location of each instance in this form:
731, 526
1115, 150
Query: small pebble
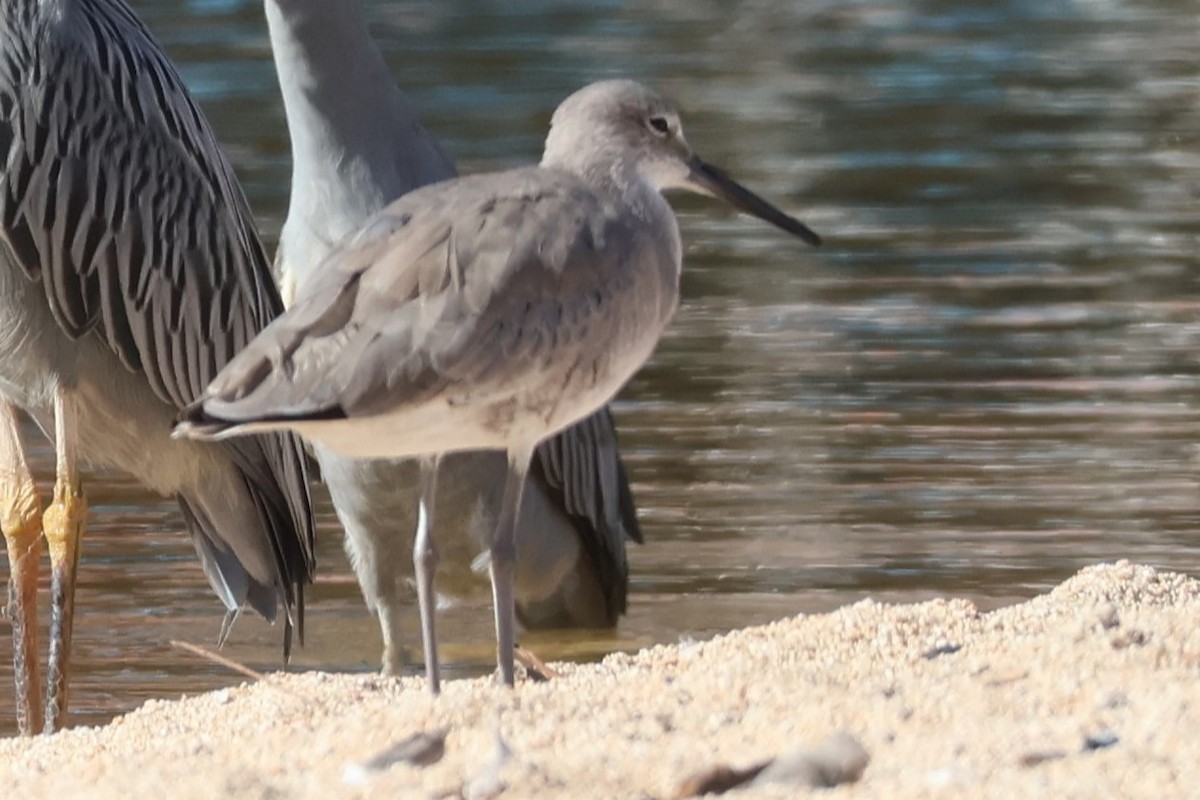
941, 649
837, 760
418, 750
1108, 616
1035, 757
1130, 638
1100, 740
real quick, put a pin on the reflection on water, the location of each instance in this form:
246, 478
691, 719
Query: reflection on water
985, 380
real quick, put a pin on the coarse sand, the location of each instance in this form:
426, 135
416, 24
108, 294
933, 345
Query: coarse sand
1092, 690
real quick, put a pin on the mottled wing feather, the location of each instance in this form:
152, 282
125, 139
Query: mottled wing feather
444, 286
119, 201
582, 467
115, 196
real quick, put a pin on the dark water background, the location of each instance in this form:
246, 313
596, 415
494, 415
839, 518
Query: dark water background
986, 380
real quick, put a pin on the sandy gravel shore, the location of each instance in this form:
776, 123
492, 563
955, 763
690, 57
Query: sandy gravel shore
1092, 690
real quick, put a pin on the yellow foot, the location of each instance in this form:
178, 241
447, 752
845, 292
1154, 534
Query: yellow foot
63, 523
20, 508
20, 519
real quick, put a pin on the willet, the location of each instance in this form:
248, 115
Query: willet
357, 145
487, 312
130, 273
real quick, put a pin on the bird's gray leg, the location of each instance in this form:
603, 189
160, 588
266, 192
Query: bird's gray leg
21, 522
390, 626
425, 559
63, 525
504, 557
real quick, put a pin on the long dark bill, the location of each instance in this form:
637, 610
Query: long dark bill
710, 180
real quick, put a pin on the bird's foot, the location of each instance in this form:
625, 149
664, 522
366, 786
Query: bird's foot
63, 524
21, 522
395, 662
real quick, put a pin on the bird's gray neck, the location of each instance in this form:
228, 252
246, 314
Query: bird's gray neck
356, 143
336, 89
609, 168
601, 164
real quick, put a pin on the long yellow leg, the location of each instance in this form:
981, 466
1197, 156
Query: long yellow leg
21, 522
63, 524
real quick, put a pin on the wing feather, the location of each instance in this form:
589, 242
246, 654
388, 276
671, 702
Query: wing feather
582, 466
445, 286
115, 196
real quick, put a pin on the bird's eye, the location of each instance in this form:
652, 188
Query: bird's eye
660, 125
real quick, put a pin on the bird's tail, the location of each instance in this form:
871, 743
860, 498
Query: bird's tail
204, 428
252, 526
193, 422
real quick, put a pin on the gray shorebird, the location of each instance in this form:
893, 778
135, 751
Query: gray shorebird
130, 273
486, 312
356, 146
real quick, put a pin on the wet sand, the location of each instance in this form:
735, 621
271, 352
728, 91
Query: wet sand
1092, 690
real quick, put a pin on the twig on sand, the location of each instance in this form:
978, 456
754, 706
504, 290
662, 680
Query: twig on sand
239, 668
218, 659
538, 670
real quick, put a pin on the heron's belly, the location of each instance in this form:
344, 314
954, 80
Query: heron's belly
35, 355
122, 423
376, 502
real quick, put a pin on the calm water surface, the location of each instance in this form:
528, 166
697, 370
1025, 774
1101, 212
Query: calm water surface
986, 380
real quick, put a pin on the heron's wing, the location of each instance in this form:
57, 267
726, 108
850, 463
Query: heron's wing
115, 196
452, 285
582, 466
